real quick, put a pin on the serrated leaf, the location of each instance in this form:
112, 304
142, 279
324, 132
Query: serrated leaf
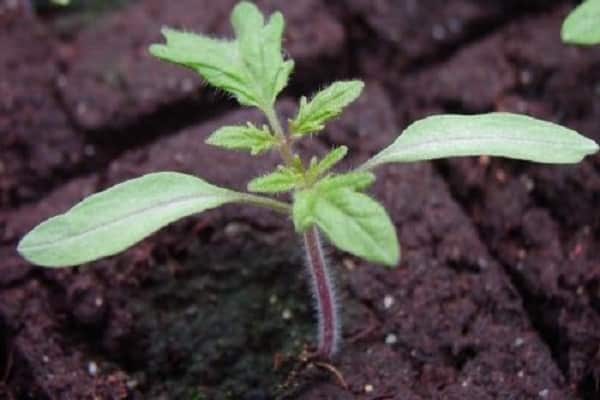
108, 222
247, 137
331, 159
282, 180
582, 25
495, 134
352, 180
352, 221
251, 67
324, 106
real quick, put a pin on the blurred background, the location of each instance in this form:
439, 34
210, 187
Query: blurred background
498, 293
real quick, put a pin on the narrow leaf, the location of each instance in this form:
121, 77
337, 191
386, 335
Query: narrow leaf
247, 137
320, 168
251, 67
111, 221
352, 221
324, 106
582, 25
282, 180
331, 159
494, 134
353, 180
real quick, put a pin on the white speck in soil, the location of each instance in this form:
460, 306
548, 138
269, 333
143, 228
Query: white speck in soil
388, 301
287, 314
521, 374
349, 264
45, 359
132, 384
273, 299
391, 339
368, 388
544, 393
519, 342
528, 183
526, 77
92, 368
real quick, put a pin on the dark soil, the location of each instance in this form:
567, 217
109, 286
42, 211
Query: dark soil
498, 293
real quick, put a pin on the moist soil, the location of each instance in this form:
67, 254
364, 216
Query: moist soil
498, 292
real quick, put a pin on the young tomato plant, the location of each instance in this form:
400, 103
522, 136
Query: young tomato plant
251, 68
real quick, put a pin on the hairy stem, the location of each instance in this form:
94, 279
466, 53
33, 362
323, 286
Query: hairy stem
329, 329
285, 149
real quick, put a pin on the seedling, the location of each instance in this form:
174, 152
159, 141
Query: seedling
582, 25
253, 70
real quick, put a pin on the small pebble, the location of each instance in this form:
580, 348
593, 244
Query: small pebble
368, 388
287, 314
388, 301
45, 359
519, 342
349, 264
528, 183
391, 339
92, 368
132, 383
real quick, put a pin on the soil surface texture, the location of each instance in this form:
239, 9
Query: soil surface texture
498, 292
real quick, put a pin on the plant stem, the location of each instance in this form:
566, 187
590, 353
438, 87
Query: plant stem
285, 149
329, 328
267, 202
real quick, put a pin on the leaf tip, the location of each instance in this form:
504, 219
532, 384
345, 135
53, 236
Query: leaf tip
156, 49
592, 147
393, 260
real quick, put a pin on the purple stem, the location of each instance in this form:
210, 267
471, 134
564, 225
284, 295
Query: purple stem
329, 328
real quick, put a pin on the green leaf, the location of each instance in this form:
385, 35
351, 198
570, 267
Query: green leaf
352, 180
494, 134
247, 137
282, 180
582, 25
352, 221
331, 159
319, 168
111, 221
324, 106
251, 67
